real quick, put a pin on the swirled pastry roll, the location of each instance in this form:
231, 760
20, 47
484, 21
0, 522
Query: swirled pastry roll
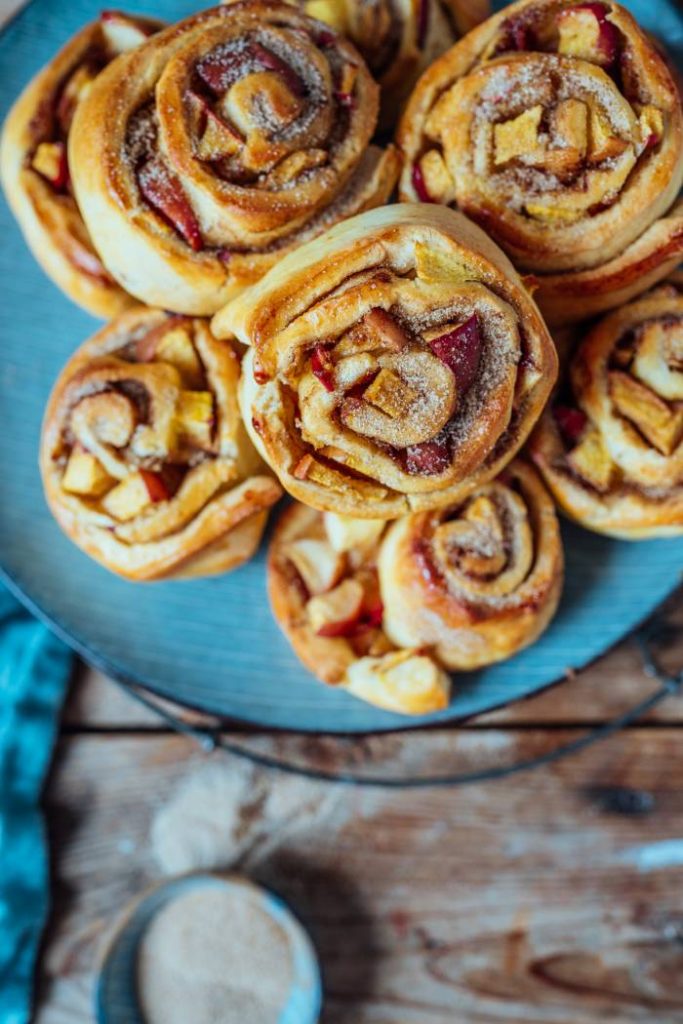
224, 141
480, 580
34, 163
396, 363
145, 462
398, 39
611, 448
558, 127
324, 592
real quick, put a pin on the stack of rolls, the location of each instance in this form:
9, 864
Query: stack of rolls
222, 188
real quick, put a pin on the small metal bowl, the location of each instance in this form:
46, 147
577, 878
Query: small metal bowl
116, 998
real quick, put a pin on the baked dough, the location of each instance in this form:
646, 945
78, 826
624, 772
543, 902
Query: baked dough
478, 581
144, 458
611, 446
556, 125
201, 158
34, 165
324, 592
398, 39
397, 362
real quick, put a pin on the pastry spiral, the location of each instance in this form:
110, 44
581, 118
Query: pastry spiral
225, 140
558, 127
480, 580
35, 169
398, 39
611, 447
145, 462
324, 592
396, 363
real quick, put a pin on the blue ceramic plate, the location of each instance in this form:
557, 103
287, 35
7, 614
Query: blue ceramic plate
213, 644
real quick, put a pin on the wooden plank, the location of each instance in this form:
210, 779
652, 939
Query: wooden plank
606, 689
551, 898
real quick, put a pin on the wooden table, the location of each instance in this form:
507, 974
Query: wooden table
555, 896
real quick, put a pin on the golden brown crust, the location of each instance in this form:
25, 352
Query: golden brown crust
397, 363
398, 39
558, 127
38, 126
145, 462
228, 138
324, 593
476, 582
610, 448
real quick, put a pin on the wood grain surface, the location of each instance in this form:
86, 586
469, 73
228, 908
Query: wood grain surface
554, 897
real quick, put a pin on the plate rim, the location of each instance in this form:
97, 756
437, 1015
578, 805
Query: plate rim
130, 682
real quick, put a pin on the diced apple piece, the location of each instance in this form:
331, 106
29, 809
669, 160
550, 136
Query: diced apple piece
85, 475
560, 162
241, 105
552, 214
570, 125
294, 165
591, 460
175, 347
272, 62
318, 564
195, 418
571, 421
348, 534
517, 137
427, 459
437, 177
219, 139
332, 12
434, 265
386, 329
164, 193
337, 613
659, 422
658, 358
134, 494
75, 89
323, 367
405, 681
122, 33
347, 81
460, 349
420, 185
651, 123
586, 33
50, 161
391, 394
604, 144
303, 467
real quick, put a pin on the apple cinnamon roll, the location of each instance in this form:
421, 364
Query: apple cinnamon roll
145, 462
396, 363
398, 39
34, 161
478, 581
611, 447
324, 592
558, 127
201, 158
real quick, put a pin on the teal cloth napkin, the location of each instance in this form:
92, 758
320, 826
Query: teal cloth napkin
34, 671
